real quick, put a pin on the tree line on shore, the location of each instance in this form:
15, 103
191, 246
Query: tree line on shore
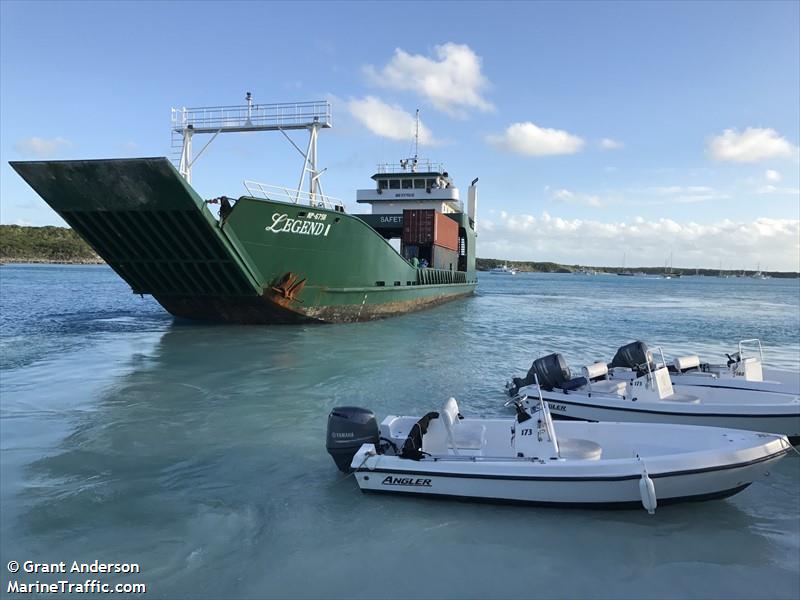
485, 264
50, 244
44, 245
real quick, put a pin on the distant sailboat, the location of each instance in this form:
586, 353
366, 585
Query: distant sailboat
670, 274
624, 272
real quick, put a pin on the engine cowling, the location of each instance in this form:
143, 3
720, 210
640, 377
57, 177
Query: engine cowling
348, 428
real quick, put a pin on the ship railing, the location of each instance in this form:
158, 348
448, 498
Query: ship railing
288, 195
422, 165
291, 115
440, 277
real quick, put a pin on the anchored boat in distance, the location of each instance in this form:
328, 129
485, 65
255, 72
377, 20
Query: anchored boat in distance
274, 255
503, 270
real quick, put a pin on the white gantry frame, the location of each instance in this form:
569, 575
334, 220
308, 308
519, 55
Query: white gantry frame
312, 116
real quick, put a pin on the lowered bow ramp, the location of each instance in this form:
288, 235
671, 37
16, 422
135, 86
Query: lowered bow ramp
147, 223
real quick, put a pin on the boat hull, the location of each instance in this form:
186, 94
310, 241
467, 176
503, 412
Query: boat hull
344, 306
775, 381
573, 407
622, 504
684, 464
590, 493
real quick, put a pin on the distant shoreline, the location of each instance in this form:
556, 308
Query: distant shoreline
62, 246
650, 272
47, 261
486, 264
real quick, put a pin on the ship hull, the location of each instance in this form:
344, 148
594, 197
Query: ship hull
342, 307
267, 261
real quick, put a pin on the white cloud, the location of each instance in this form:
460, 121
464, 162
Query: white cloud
451, 82
531, 140
680, 194
775, 242
771, 175
782, 191
41, 147
609, 144
389, 121
752, 145
563, 195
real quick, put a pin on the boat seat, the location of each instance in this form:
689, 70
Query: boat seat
578, 449
573, 384
449, 431
469, 436
685, 364
435, 439
608, 386
685, 398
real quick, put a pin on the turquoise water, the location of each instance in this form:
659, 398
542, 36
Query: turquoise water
198, 451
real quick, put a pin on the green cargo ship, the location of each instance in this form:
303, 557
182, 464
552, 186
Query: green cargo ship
274, 255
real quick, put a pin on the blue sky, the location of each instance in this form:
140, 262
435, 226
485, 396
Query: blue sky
594, 127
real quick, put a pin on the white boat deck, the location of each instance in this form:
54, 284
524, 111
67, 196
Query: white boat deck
489, 439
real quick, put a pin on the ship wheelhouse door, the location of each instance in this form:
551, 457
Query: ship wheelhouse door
462, 249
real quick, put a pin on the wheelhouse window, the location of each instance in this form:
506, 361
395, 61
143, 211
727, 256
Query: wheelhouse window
407, 184
394, 184
419, 184
383, 184
430, 183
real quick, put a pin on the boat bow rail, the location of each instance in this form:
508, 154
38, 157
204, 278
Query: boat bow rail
146, 222
277, 193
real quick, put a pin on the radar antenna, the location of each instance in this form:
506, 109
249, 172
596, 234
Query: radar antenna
416, 138
412, 162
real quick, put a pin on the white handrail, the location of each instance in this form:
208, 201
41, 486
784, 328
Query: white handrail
650, 379
423, 165
293, 195
548, 420
760, 350
254, 116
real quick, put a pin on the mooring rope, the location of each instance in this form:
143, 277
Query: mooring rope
354, 471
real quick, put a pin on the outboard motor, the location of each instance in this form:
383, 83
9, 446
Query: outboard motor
634, 356
348, 428
552, 371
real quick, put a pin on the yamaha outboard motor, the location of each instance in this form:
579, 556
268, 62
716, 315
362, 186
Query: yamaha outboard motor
348, 428
552, 371
634, 356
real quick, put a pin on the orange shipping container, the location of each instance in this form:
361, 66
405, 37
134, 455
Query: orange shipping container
426, 226
445, 232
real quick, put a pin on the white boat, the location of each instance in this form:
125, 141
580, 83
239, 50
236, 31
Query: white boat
758, 274
633, 388
743, 370
504, 269
530, 459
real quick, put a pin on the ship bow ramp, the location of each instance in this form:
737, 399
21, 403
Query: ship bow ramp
147, 223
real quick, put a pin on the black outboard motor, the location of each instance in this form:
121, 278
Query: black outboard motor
348, 428
634, 356
552, 371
